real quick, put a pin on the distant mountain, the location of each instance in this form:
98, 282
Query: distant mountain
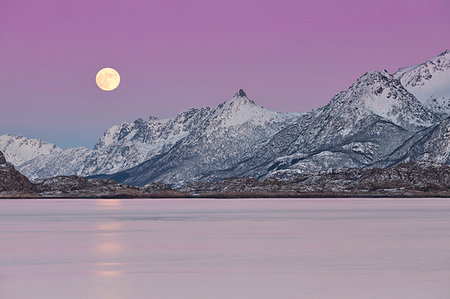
381, 120
121, 147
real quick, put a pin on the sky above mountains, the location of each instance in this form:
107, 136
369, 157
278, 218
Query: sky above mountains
173, 55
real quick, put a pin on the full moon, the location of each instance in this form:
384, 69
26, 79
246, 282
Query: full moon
107, 79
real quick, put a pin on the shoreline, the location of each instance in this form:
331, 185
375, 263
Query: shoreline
240, 196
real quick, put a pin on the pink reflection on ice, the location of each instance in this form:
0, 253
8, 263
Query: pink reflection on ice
108, 202
109, 226
108, 273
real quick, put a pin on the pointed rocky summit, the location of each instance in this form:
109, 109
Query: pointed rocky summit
240, 93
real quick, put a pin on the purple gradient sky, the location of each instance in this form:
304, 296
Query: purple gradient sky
173, 55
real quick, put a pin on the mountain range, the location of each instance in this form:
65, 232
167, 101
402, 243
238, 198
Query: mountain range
381, 120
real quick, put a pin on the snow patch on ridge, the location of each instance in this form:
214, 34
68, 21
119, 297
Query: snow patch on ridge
19, 149
429, 82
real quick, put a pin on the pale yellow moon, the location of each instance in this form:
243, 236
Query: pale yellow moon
107, 79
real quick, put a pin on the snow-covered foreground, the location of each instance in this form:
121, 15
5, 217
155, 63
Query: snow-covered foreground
324, 248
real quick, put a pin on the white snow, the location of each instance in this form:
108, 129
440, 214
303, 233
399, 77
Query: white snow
429, 82
19, 149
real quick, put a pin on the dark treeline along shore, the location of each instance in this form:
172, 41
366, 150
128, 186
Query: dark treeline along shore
414, 179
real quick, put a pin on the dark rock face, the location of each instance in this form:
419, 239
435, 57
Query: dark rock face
12, 181
241, 93
2, 159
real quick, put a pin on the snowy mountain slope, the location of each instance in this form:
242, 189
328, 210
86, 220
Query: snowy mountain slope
429, 82
435, 146
19, 149
368, 123
121, 147
431, 144
66, 162
231, 133
129, 144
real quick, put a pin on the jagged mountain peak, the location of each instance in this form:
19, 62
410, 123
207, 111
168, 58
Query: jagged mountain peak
149, 134
240, 93
371, 78
239, 97
240, 110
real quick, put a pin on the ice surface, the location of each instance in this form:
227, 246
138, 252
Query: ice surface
327, 248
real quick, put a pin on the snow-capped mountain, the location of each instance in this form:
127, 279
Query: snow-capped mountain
121, 147
358, 128
381, 120
230, 134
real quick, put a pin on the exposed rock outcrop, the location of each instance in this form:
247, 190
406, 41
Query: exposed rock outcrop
75, 186
12, 181
79, 187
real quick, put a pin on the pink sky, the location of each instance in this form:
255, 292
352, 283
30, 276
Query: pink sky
173, 55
